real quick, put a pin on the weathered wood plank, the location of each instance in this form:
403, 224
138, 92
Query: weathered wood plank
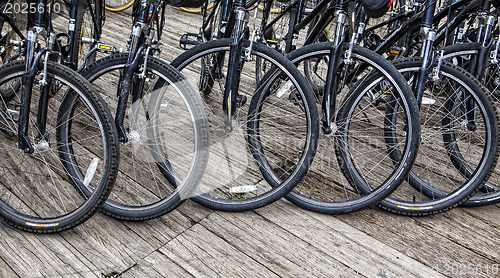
158, 231
91, 274
141, 269
6, 271
108, 244
277, 240
274, 247
488, 214
27, 257
354, 248
202, 253
150, 268
163, 265
414, 237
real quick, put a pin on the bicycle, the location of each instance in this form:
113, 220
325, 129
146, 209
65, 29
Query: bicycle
55, 145
479, 58
234, 182
451, 119
160, 121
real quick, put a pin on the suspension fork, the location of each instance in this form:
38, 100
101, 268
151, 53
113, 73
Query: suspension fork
427, 55
27, 81
126, 80
333, 77
236, 61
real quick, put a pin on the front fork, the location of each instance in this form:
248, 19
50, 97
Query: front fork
333, 78
235, 64
130, 82
126, 80
28, 79
427, 55
426, 70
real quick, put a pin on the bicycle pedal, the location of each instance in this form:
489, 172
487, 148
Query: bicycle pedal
185, 40
240, 100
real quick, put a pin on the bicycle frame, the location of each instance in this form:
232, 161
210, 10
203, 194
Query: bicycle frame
297, 11
487, 22
327, 9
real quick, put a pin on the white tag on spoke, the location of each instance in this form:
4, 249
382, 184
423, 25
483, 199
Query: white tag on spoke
242, 189
91, 171
284, 89
428, 101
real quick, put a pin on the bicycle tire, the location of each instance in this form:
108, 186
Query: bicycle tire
234, 181
157, 173
331, 187
438, 191
115, 7
45, 198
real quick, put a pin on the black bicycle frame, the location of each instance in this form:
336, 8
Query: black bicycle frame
484, 38
297, 12
422, 16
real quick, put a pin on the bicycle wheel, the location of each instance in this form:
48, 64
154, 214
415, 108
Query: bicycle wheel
168, 139
118, 5
278, 34
40, 191
358, 139
464, 55
279, 121
379, 29
459, 127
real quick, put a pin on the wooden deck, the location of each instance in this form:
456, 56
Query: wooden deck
279, 240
